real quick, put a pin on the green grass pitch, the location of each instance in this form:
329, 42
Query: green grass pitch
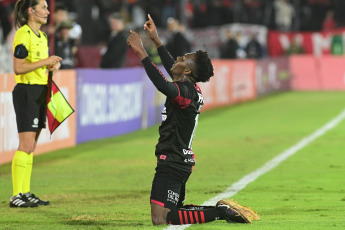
106, 184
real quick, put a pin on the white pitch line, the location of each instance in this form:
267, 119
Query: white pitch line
241, 184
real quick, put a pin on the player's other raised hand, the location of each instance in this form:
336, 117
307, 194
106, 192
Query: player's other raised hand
151, 30
135, 42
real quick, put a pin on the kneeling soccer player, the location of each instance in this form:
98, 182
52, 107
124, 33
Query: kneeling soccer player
175, 157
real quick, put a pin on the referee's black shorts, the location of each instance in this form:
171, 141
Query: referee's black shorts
169, 186
30, 106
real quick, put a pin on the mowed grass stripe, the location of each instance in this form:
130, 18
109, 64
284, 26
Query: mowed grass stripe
105, 184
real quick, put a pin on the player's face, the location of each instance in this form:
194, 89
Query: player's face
183, 66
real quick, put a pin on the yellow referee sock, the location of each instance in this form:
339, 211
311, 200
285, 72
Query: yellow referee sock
27, 175
19, 164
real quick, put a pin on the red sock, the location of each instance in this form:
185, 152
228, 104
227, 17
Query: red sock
193, 215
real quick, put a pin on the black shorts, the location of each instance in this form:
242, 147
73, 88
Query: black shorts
169, 187
30, 106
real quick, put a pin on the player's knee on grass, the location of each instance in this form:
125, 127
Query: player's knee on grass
158, 220
158, 214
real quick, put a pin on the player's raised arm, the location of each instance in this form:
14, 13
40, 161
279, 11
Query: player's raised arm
158, 79
135, 42
167, 59
151, 30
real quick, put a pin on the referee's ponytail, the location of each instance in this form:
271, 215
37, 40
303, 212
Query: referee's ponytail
21, 15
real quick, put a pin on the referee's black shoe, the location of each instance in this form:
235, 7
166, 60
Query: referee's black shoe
20, 201
34, 199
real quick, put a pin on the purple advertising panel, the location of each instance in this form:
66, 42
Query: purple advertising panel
272, 75
115, 102
109, 102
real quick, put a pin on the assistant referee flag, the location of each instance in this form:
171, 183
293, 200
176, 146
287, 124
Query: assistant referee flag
58, 108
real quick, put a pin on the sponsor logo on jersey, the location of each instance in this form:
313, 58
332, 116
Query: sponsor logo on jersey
164, 117
201, 98
164, 114
189, 160
187, 152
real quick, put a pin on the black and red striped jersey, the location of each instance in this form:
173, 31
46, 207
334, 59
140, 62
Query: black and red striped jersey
179, 121
179, 116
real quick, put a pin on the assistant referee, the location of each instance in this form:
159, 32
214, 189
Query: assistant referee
30, 64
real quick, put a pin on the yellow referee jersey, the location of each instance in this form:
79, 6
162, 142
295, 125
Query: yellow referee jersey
37, 47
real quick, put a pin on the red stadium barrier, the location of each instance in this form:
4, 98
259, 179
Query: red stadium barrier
303, 70
332, 71
312, 73
233, 82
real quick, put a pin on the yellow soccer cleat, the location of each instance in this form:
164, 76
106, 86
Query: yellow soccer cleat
248, 211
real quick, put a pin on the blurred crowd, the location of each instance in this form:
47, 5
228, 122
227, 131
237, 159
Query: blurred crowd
102, 23
287, 15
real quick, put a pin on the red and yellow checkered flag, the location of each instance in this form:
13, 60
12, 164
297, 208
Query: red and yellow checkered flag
58, 108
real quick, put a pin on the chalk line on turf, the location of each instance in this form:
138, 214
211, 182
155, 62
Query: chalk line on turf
241, 184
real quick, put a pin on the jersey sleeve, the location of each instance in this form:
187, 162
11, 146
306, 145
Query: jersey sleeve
21, 44
159, 80
185, 95
167, 59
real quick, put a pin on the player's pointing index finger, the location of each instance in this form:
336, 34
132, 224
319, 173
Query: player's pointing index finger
150, 19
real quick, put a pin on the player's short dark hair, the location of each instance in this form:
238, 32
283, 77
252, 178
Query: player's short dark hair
204, 67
